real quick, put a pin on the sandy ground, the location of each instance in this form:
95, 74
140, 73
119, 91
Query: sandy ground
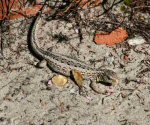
25, 98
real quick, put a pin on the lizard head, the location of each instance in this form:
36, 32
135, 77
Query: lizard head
107, 77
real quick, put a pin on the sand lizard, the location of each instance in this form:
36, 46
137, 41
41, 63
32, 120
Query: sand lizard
64, 65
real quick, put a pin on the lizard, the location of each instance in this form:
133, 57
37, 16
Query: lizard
63, 64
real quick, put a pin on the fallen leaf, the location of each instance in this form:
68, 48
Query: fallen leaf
78, 77
88, 3
116, 36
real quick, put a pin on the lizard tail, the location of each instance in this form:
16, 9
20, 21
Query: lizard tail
32, 45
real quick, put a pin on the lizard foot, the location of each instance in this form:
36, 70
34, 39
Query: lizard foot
41, 64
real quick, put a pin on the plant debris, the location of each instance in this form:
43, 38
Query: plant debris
117, 36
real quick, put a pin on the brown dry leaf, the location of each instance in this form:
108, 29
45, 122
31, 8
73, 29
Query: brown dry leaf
17, 10
116, 36
88, 4
78, 77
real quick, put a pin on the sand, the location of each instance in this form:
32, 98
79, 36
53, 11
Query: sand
25, 98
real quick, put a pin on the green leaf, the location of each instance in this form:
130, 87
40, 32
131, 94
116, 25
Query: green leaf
128, 2
123, 8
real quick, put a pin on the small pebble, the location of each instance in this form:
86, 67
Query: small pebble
136, 41
69, 25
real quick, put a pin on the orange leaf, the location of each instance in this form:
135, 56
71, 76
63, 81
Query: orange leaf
116, 36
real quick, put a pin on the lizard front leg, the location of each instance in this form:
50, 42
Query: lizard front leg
41, 64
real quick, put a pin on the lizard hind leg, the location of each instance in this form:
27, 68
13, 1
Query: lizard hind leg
41, 64
98, 87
